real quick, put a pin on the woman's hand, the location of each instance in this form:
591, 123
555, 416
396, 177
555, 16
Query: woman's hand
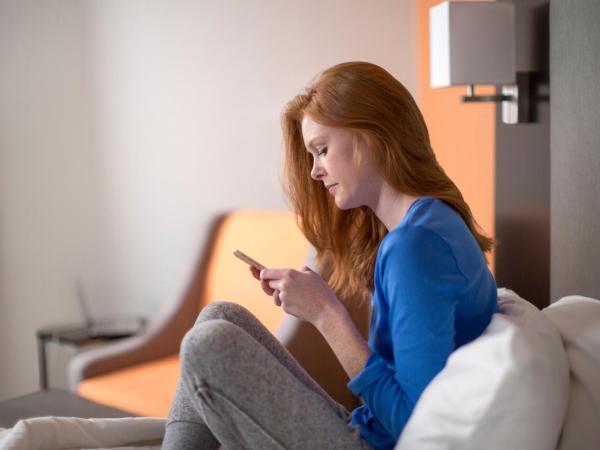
264, 284
307, 296
303, 293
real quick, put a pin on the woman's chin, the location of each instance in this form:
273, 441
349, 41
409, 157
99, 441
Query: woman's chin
344, 205
339, 205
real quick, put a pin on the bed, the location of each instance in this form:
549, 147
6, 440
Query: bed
530, 381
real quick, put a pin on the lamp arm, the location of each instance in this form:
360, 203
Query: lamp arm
472, 98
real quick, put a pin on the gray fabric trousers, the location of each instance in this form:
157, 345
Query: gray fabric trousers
239, 388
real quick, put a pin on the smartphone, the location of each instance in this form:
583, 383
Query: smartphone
248, 260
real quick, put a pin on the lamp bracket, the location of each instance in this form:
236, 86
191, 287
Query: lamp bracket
515, 99
472, 98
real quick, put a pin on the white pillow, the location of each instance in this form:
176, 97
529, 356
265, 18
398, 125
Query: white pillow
507, 389
578, 321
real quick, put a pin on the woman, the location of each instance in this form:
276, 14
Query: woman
386, 221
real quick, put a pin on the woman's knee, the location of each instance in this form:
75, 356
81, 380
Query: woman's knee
209, 339
224, 310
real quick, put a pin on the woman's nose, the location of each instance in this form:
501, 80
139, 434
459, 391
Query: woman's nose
316, 172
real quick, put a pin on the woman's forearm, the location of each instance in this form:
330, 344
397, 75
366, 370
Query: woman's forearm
345, 340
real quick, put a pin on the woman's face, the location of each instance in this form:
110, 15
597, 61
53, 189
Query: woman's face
351, 184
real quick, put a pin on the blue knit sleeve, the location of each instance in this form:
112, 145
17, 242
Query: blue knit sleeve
418, 278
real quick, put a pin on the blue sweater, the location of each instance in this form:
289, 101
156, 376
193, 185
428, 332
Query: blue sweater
433, 293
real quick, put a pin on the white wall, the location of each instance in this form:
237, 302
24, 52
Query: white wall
125, 126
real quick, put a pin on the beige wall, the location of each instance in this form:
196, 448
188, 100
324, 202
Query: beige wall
126, 126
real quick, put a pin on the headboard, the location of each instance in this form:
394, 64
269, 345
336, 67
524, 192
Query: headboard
575, 148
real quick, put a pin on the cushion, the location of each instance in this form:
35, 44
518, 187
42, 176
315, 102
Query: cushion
506, 389
578, 321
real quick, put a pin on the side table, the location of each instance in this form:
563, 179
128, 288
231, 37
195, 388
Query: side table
83, 335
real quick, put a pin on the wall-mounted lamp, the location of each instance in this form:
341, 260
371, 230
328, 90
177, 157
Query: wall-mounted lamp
474, 43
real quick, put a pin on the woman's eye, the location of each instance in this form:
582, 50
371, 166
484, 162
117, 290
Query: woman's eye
323, 151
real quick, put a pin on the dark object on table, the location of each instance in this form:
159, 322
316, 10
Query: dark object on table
82, 335
54, 403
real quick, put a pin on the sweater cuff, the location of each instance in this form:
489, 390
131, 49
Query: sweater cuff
372, 371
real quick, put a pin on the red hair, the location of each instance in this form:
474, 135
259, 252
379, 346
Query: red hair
365, 99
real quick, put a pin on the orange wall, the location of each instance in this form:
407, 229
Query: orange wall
462, 135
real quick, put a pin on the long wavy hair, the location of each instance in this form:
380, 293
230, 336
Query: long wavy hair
368, 101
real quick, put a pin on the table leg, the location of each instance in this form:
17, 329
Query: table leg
42, 364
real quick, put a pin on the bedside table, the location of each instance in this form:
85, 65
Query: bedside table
80, 336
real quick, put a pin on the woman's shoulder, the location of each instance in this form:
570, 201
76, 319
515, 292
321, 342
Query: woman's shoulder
420, 260
429, 212
432, 228
427, 218
413, 247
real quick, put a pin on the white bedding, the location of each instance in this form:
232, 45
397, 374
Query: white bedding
61, 433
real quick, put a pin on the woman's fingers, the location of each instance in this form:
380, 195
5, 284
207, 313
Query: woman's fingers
274, 274
264, 284
276, 298
255, 272
265, 287
274, 284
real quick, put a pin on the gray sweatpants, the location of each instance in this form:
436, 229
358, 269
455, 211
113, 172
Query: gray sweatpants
239, 388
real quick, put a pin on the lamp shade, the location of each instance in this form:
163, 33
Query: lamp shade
472, 43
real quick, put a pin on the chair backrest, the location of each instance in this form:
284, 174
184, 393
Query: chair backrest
272, 238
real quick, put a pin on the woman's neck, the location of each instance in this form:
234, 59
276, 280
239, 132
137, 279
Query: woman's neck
391, 206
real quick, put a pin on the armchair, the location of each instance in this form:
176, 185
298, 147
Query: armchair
140, 374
